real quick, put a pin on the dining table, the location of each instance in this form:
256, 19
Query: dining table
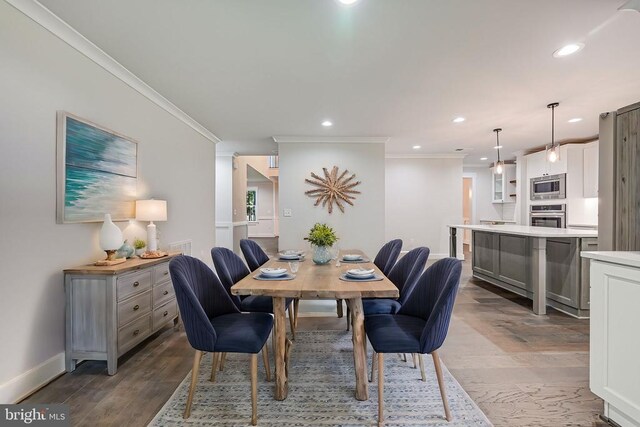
314, 281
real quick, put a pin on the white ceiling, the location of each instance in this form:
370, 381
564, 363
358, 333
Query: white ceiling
251, 69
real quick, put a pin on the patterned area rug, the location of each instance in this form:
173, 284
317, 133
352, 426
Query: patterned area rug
321, 392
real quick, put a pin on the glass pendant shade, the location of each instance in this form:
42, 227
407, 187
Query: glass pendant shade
553, 153
499, 169
553, 149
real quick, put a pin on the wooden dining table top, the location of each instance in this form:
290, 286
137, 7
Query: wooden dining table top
314, 281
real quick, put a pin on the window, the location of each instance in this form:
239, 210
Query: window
252, 204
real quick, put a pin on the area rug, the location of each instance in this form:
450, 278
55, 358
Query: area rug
321, 392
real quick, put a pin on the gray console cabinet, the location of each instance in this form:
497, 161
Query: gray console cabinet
109, 310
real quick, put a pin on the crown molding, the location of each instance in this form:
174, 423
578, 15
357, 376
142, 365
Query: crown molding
426, 156
59, 28
330, 139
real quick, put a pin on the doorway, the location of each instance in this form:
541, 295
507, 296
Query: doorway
468, 207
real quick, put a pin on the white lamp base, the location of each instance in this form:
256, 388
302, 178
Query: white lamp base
152, 240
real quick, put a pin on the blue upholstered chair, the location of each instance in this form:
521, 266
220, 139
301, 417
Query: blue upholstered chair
420, 326
388, 255
404, 275
231, 269
253, 254
214, 324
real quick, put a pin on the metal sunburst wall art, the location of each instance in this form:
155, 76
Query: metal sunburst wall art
333, 188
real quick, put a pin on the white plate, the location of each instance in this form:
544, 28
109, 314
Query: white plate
292, 256
351, 257
358, 272
360, 276
273, 272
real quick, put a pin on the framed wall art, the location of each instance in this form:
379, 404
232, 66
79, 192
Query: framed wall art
97, 172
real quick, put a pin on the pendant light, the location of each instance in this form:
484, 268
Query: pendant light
553, 150
499, 167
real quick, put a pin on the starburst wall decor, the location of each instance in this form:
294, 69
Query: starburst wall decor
333, 188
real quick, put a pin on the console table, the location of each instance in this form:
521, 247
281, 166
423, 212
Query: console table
111, 309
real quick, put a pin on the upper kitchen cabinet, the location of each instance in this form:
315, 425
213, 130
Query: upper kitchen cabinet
537, 164
590, 170
503, 186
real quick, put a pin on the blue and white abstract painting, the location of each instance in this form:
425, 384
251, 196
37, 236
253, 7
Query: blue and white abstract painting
100, 173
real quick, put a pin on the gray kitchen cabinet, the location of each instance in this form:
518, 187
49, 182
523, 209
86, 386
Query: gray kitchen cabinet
111, 309
627, 161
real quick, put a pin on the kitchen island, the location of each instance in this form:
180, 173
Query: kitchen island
539, 263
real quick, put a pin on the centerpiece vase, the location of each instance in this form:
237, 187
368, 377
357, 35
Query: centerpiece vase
321, 254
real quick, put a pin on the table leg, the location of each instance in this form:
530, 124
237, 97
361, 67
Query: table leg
279, 356
539, 276
453, 242
359, 348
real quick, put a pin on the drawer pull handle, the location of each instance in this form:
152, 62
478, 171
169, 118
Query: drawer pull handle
165, 314
165, 293
136, 307
136, 332
136, 284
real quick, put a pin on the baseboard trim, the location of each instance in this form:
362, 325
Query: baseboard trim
23, 385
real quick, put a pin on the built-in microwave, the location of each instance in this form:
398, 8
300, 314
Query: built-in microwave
549, 187
554, 216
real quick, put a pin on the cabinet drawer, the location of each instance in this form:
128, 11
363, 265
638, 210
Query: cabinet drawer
164, 314
132, 284
134, 333
162, 293
161, 273
133, 307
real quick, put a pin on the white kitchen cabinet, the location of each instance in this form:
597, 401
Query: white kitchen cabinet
614, 370
590, 171
503, 187
537, 164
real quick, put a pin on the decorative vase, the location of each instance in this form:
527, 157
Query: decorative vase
321, 254
140, 251
110, 237
125, 251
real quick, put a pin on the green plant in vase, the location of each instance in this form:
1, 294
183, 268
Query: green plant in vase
139, 245
322, 237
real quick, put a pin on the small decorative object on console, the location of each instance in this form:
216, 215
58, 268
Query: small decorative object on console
110, 241
154, 254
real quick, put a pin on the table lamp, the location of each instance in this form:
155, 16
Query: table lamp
151, 210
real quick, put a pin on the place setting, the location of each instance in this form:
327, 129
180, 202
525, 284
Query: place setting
269, 273
291, 255
354, 259
361, 275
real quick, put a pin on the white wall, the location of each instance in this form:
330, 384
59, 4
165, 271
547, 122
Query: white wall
362, 225
424, 195
224, 200
40, 74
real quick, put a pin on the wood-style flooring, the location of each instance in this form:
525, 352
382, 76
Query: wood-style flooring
521, 369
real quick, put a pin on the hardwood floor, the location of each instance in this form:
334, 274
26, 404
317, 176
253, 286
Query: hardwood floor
521, 369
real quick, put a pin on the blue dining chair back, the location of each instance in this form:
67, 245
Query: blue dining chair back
432, 300
388, 255
231, 269
214, 324
253, 254
407, 271
420, 326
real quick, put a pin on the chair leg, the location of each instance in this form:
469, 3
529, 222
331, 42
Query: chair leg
373, 365
265, 360
254, 389
402, 356
339, 307
414, 356
421, 360
348, 318
296, 304
292, 322
194, 379
443, 394
380, 389
223, 357
215, 357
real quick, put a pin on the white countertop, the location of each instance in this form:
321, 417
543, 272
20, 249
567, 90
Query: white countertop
631, 259
527, 230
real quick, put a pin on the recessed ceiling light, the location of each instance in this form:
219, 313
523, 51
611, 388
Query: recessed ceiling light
327, 123
483, 158
459, 120
497, 147
347, 2
417, 147
568, 50
575, 120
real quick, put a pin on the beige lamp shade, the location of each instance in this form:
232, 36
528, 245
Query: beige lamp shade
151, 210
